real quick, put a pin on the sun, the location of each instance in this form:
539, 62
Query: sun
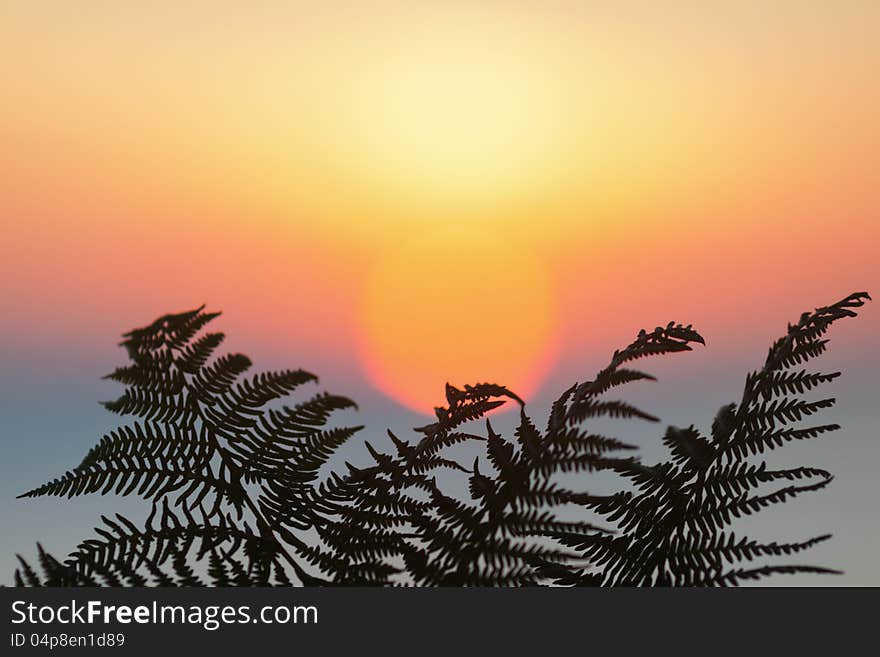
463, 308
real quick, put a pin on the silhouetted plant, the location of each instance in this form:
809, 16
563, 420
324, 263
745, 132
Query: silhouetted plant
496, 537
207, 450
673, 527
237, 498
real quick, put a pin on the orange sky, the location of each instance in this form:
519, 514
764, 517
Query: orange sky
362, 174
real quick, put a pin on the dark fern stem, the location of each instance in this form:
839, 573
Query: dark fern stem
238, 499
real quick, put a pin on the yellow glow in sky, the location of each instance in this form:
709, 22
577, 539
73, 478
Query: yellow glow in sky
454, 130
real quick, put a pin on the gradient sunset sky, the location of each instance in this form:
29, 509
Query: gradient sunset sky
394, 195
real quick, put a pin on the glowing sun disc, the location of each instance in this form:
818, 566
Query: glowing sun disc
465, 309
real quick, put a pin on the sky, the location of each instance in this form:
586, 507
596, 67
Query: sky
395, 195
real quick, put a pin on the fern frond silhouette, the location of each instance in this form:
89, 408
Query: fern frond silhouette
233, 477
498, 536
206, 450
672, 530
